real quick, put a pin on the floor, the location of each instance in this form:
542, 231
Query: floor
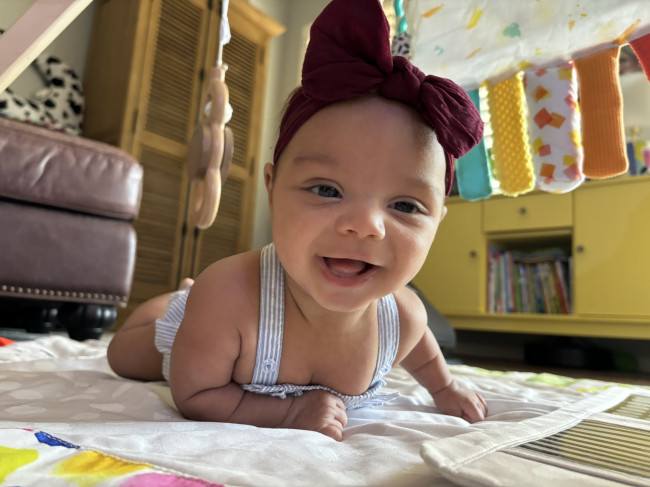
21, 335
491, 364
608, 376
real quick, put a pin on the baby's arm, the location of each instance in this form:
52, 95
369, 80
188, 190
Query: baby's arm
424, 360
204, 357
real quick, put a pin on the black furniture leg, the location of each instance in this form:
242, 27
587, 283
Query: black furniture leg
86, 321
40, 318
33, 316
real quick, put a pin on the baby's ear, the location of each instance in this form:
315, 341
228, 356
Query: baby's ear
443, 212
268, 179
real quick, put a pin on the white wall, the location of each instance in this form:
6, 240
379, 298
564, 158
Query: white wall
71, 45
285, 63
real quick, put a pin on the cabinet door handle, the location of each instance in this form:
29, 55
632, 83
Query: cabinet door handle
523, 210
473, 254
580, 249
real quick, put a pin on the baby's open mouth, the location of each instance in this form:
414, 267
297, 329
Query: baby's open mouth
347, 267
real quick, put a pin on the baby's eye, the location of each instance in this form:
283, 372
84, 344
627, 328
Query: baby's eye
405, 207
325, 191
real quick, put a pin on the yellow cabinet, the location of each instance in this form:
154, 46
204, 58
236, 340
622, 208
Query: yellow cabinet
610, 248
534, 212
604, 224
453, 276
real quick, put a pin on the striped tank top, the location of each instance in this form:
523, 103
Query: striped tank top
269, 342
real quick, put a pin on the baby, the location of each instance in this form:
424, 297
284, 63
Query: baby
295, 334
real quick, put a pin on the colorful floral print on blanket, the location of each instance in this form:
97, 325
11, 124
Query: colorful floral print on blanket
29, 457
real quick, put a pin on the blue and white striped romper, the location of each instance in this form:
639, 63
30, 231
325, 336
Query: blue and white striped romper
269, 342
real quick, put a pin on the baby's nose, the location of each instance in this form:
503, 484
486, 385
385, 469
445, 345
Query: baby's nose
365, 220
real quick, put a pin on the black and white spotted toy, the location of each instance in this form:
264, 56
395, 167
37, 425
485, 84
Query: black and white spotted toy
58, 106
401, 45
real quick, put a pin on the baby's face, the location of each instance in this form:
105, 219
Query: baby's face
356, 201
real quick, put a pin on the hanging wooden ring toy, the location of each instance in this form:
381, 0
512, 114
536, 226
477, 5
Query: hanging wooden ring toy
211, 148
210, 151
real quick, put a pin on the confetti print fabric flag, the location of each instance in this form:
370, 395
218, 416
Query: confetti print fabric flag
554, 125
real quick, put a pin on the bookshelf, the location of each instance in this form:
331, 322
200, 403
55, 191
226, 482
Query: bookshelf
529, 281
598, 233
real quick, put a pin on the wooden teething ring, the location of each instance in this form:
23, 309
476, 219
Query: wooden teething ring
210, 151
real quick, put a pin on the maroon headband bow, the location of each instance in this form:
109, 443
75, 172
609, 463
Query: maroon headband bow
349, 55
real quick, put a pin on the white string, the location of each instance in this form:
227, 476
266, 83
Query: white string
224, 30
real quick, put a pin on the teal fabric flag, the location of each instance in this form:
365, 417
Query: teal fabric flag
473, 169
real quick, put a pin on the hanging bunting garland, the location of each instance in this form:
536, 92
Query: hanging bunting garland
552, 130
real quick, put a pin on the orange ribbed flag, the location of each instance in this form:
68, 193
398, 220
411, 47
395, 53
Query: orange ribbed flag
601, 106
513, 164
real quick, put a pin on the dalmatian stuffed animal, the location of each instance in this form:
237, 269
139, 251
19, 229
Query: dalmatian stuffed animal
58, 106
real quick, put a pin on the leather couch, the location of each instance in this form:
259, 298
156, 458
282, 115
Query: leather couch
67, 243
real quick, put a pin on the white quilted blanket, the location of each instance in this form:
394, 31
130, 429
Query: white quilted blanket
66, 419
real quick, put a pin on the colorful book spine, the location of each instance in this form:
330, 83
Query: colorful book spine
562, 286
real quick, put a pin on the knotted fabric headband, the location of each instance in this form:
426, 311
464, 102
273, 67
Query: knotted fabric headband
349, 56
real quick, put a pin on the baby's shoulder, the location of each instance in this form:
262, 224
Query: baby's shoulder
229, 287
410, 307
412, 318
239, 270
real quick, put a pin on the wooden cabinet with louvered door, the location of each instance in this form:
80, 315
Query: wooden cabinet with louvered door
143, 86
164, 124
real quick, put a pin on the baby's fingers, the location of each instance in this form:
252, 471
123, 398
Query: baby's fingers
334, 431
334, 426
474, 409
335, 419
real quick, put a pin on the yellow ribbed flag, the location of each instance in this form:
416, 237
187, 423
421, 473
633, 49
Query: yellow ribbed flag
513, 165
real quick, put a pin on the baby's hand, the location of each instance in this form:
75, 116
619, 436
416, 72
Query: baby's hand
319, 411
458, 401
